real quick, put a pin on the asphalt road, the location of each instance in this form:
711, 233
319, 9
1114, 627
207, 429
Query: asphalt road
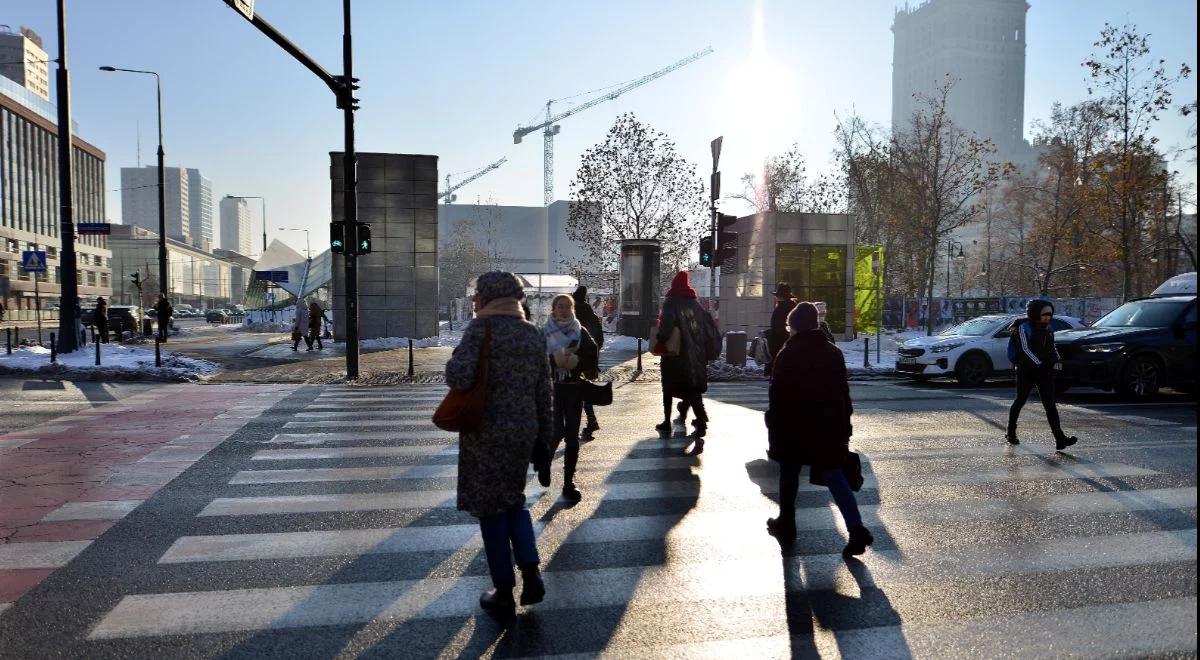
325, 527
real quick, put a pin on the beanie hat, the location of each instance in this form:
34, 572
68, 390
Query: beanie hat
803, 317
498, 284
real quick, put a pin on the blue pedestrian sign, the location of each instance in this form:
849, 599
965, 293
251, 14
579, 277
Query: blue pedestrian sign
33, 261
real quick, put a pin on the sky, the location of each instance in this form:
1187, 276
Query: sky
455, 78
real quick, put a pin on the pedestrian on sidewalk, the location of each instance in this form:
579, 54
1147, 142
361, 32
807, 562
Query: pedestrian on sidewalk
300, 327
591, 322
571, 353
315, 316
808, 423
1031, 349
778, 333
493, 461
164, 312
680, 343
100, 320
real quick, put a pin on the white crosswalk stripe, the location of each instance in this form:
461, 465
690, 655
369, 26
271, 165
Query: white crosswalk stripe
330, 485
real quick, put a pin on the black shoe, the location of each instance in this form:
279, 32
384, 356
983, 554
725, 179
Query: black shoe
592, 424
1062, 442
543, 472
699, 429
571, 493
697, 447
860, 538
1011, 436
499, 603
533, 589
783, 527
664, 429
586, 436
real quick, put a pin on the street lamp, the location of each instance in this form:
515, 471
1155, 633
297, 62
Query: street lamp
164, 285
950, 245
307, 245
264, 214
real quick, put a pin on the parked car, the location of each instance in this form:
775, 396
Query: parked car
217, 316
1139, 347
970, 351
122, 318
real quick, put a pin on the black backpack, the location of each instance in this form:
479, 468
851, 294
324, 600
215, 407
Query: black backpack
711, 336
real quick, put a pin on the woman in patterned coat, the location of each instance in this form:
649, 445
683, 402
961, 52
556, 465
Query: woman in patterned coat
493, 462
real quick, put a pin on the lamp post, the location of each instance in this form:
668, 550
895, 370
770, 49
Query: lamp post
163, 283
307, 245
950, 245
264, 214
69, 313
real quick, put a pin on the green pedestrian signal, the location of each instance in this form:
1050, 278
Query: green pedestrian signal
364, 238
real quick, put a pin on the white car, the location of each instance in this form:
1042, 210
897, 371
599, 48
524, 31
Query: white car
970, 351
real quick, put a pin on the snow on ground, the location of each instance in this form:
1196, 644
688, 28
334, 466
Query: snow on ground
116, 361
446, 338
623, 343
263, 326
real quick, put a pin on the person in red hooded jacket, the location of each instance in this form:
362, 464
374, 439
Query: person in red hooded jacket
680, 342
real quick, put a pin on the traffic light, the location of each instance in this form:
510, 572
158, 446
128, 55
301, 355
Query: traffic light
706, 251
137, 279
364, 238
337, 237
726, 240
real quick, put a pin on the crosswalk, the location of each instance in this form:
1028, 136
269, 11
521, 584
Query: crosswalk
329, 529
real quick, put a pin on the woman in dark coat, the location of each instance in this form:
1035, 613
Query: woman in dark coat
571, 353
684, 369
493, 461
590, 322
808, 422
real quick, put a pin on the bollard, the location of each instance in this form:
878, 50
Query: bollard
16, 335
410, 358
866, 352
97, 344
157, 351
639, 364
8, 339
53, 349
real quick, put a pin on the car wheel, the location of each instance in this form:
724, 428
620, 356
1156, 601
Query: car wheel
972, 370
1140, 379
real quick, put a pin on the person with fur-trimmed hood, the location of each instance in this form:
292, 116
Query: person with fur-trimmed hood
1035, 360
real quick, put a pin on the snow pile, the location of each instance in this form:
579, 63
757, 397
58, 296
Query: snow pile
721, 371
623, 343
116, 362
884, 364
446, 338
263, 326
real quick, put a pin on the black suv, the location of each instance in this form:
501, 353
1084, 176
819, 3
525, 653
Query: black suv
122, 318
1135, 349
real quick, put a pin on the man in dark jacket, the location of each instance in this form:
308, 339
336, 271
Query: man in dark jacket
808, 423
100, 320
164, 311
590, 322
1036, 360
684, 363
778, 334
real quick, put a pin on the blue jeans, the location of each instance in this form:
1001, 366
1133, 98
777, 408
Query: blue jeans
503, 535
835, 480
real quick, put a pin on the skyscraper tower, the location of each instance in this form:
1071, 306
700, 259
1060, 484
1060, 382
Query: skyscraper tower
980, 45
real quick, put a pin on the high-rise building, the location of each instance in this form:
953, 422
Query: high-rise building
235, 225
139, 200
23, 60
200, 209
980, 46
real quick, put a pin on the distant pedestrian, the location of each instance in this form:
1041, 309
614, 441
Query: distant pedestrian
300, 327
100, 320
778, 333
808, 422
315, 316
1, 309
163, 311
493, 461
1032, 350
571, 352
684, 366
590, 321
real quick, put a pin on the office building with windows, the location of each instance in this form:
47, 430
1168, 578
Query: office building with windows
235, 225
24, 61
200, 210
139, 200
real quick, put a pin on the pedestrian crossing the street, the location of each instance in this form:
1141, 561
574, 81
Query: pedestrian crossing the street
327, 528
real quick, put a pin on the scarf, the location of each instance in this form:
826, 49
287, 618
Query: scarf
501, 307
559, 335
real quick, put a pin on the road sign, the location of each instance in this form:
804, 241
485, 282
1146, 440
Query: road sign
33, 261
243, 7
271, 275
715, 146
93, 228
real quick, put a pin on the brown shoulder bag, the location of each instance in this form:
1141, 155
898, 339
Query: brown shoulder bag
462, 410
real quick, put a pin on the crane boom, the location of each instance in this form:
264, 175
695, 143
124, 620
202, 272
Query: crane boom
446, 194
550, 127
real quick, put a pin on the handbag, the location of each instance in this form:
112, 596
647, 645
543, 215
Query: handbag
462, 410
851, 467
597, 395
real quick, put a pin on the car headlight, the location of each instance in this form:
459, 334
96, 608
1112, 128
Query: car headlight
945, 348
1103, 348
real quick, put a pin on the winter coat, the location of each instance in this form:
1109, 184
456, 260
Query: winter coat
687, 372
100, 316
588, 354
493, 461
300, 324
164, 310
588, 319
315, 315
778, 333
808, 417
1035, 344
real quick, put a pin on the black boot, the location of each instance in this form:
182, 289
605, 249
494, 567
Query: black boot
783, 527
860, 538
499, 602
1061, 441
542, 465
570, 459
533, 589
664, 429
1011, 436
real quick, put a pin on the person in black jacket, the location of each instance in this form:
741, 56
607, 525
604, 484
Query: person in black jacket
778, 334
808, 423
100, 320
164, 311
1037, 358
684, 366
588, 319
572, 352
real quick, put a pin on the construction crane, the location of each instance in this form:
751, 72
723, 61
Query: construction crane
550, 127
446, 194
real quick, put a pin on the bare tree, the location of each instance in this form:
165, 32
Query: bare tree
634, 184
784, 185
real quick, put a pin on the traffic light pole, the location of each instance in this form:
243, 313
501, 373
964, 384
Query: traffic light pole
68, 308
343, 88
715, 193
